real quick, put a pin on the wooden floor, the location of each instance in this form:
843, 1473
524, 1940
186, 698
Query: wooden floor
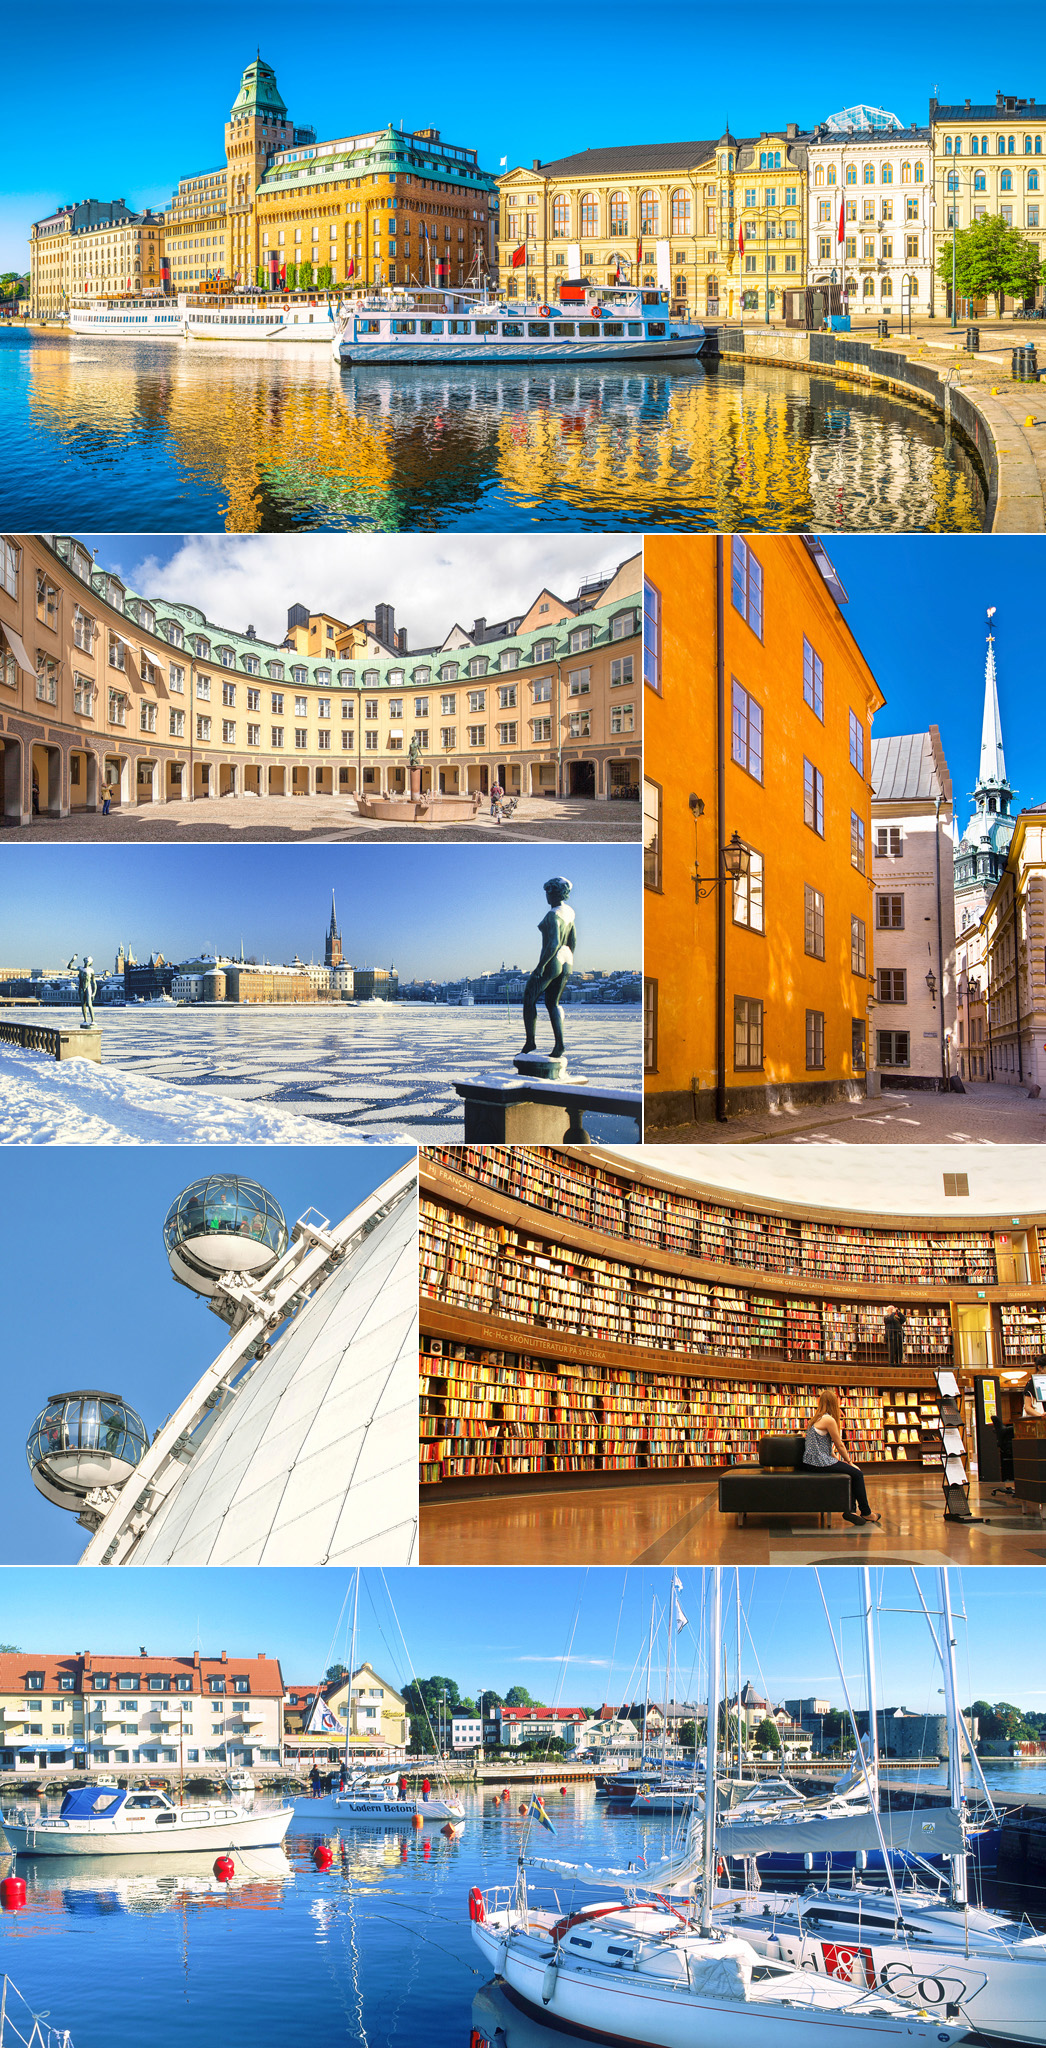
680, 1523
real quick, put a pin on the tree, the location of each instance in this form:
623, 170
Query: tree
768, 1734
292, 277
325, 277
518, 1696
14, 1649
687, 1735
992, 260
336, 1671
305, 276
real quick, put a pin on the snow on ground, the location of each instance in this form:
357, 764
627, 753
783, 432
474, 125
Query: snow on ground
44, 1101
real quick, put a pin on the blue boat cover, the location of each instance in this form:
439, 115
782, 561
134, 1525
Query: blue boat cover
92, 1802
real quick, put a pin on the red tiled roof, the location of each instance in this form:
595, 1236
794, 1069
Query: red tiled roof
543, 1714
264, 1672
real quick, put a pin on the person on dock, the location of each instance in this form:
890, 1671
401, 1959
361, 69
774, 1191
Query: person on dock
825, 1451
315, 1781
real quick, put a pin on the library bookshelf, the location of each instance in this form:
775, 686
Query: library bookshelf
587, 1323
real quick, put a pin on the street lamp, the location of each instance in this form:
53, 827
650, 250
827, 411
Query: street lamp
736, 861
931, 983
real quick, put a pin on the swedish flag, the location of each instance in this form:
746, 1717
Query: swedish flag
536, 1811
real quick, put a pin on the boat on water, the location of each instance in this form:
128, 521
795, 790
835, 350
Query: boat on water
19, 2023
283, 317
107, 1820
376, 1806
619, 325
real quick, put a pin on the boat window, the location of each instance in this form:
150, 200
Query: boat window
588, 327
564, 327
656, 327
486, 327
612, 1951
614, 327
165, 1819
459, 327
577, 1942
368, 327
635, 327
432, 326
513, 329
144, 1799
538, 327
403, 327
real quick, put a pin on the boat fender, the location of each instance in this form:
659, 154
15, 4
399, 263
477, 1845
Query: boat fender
548, 1983
12, 1894
594, 312
224, 1869
544, 311
477, 1910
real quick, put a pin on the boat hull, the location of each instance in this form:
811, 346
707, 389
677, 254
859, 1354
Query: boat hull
148, 1836
360, 353
345, 1807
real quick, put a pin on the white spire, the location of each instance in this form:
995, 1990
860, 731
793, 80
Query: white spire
993, 764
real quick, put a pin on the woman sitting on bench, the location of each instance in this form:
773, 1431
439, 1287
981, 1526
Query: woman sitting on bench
825, 1451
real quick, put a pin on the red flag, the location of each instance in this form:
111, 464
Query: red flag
519, 256
639, 252
841, 236
351, 272
741, 241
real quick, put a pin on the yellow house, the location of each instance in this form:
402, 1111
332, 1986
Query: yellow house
771, 205
380, 1721
757, 827
988, 159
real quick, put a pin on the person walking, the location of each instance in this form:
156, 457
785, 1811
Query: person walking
315, 1781
825, 1451
895, 1319
496, 794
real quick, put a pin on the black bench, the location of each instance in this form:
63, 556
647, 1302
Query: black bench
782, 1485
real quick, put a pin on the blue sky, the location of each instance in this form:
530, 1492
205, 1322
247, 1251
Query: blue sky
494, 79
431, 910
502, 1628
89, 1300
917, 607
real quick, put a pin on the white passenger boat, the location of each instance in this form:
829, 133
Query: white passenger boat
106, 1820
377, 1806
617, 325
283, 317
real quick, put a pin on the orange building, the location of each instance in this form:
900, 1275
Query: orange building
757, 827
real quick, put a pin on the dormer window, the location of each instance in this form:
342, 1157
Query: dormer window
420, 677
201, 648
34, 1681
227, 657
147, 618
449, 672
509, 658
622, 625
299, 675
322, 676
275, 669
346, 679
544, 650
251, 664
173, 633
100, 1681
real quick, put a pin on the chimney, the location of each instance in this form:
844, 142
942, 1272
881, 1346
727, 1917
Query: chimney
967, 102
536, 164
479, 630
401, 640
225, 1656
792, 130
196, 1660
385, 624
250, 633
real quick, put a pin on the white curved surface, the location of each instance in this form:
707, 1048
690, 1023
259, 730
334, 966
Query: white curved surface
316, 1461
1006, 1181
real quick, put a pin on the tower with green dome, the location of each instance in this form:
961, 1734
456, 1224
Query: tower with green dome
258, 126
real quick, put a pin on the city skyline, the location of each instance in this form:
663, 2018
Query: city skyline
276, 899
810, 81
432, 582
572, 1637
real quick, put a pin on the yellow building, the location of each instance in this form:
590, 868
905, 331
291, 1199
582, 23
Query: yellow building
757, 827
380, 1722
771, 204
58, 246
1001, 969
104, 691
988, 160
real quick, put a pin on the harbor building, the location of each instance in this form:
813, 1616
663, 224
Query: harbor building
771, 201
913, 1008
105, 692
81, 1711
881, 179
380, 1727
988, 159
757, 828
609, 1334
51, 249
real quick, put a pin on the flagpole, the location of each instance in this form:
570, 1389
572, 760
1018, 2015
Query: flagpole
352, 1661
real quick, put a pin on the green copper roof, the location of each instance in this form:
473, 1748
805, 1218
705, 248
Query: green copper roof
259, 92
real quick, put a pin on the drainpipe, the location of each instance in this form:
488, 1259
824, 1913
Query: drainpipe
559, 728
1017, 979
192, 727
940, 937
720, 808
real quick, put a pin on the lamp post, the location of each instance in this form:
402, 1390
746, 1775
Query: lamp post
736, 862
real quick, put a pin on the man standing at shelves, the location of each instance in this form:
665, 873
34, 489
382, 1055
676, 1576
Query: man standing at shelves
895, 1319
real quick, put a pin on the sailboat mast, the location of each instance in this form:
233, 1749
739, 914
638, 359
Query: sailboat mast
715, 1627
352, 1667
737, 1594
960, 1893
646, 1693
869, 1664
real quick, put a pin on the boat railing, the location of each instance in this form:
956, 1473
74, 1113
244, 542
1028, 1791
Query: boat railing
18, 2022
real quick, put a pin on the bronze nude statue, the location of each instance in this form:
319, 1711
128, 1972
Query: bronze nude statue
554, 967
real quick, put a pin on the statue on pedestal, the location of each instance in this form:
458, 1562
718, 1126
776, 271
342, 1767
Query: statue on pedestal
87, 989
554, 968
414, 753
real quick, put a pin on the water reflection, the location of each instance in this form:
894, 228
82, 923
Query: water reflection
234, 438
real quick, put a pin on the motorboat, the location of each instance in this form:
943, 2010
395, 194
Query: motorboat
108, 1820
360, 1804
238, 1782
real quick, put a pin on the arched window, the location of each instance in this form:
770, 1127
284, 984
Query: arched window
681, 211
984, 145
1027, 145
1033, 181
618, 213
869, 174
887, 174
947, 145
906, 174
851, 174
831, 174
649, 212
561, 214
1006, 181
869, 288
1038, 145
914, 286
589, 213
1010, 143
1000, 145
918, 174
973, 145
887, 288
819, 175
958, 145
980, 181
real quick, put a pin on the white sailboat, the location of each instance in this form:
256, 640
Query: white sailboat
933, 1949
107, 1820
650, 1972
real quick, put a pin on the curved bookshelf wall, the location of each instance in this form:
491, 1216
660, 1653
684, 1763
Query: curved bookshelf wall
580, 1320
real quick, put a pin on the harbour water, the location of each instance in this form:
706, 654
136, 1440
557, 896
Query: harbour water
386, 1069
251, 440
377, 1950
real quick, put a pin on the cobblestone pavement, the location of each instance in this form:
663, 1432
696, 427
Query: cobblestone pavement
327, 818
988, 1114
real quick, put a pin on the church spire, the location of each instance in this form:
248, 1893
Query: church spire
332, 953
334, 918
992, 792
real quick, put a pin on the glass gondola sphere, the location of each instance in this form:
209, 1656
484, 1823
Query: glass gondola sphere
83, 1440
223, 1225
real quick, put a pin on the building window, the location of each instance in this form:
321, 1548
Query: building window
813, 680
148, 717
477, 735
746, 584
858, 946
889, 842
117, 708
229, 731
83, 695
254, 735
301, 737
580, 682
84, 630
652, 637
277, 735
203, 728
580, 725
621, 718
650, 1027
889, 913
301, 707
893, 1048
117, 652
651, 835
541, 690
477, 700
813, 941
814, 1039
10, 556
813, 798
621, 671
203, 689
746, 736
748, 1032
176, 724
747, 892
507, 734
46, 679
893, 984
176, 678
857, 842
447, 705
228, 693
856, 743
507, 697
541, 728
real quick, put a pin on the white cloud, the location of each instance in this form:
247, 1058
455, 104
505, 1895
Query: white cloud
600, 1663
432, 581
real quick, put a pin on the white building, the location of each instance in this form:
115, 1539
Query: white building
913, 937
883, 180
341, 980
466, 1731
